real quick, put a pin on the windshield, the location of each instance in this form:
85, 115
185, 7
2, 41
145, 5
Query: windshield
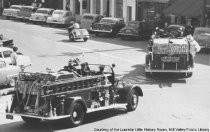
42, 11
28, 9
15, 7
88, 17
58, 13
202, 34
133, 24
7, 53
109, 21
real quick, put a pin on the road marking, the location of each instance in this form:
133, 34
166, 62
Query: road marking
104, 54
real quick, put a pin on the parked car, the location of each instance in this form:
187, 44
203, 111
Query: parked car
61, 17
108, 25
88, 19
5, 42
25, 12
5, 54
180, 30
136, 29
202, 36
41, 15
12, 11
7, 74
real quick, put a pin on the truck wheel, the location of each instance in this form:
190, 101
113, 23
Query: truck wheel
30, 120
132, 100
85, 39
7, 17
77, 115
189, 74
71, 37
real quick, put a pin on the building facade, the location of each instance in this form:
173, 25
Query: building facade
113, 8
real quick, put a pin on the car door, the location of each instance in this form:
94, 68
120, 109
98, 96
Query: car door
2, 72
6, 56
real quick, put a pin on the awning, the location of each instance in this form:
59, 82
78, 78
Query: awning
190, 8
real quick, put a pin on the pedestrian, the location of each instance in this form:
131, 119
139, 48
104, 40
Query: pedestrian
14, 56
67, 6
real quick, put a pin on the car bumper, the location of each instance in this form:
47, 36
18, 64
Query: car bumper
56, 22
37, 20
100, 31
125, 34
166, 71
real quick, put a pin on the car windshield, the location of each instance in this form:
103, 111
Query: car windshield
202, 33
88, 17
15, 7
58, 13
7, 53
97, 67
133, 24
108, 21
28, 9
42, 11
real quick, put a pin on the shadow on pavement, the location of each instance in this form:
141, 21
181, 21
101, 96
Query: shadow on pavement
137, 76
203, 57
50, 126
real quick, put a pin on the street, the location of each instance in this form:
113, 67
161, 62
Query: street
168, 102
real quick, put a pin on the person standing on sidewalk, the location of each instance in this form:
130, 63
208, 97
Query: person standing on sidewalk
14, 56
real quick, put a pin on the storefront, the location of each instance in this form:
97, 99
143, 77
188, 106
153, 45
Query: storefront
150, 9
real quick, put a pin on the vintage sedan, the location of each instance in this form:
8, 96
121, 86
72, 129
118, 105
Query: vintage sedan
61, 17
108, 25
136, 29
25, 12
88, 19
202, 36
7, 74
12, 11
5, 54
41, 15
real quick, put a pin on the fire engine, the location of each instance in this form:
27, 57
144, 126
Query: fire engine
70, 93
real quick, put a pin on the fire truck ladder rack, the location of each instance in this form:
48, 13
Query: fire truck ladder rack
72, 86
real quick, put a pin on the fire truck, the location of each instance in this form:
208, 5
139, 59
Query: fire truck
171, 55
70, 93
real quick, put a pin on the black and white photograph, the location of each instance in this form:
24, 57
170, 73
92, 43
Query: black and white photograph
104, 65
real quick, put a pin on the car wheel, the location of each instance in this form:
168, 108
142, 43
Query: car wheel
12, 82
122, 37
7, 17
85, 39
71, 37
30, 120
132, 100
189, 74
77, 115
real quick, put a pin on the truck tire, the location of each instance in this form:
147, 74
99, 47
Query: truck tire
133, 100
77, 115
71, 37
30, 120
189, 74
85, 39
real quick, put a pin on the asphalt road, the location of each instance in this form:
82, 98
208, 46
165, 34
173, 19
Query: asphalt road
169, 101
